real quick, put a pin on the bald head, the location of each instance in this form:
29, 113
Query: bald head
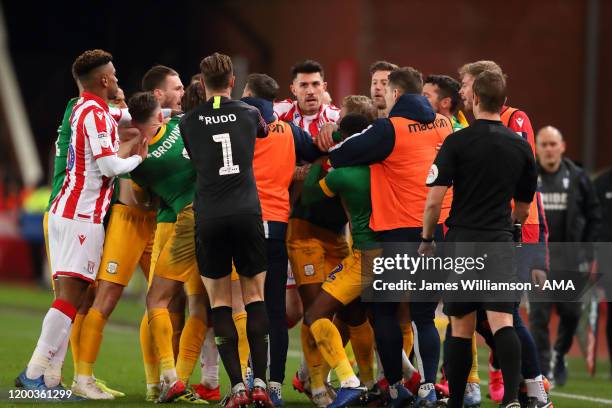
550, 147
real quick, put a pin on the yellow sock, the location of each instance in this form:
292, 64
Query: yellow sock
149, 355
474, 377
240, 320
191, 344
178, 322
89, 343
161, 331
313, 358
362, 339
329, 343
75, 335
408, 337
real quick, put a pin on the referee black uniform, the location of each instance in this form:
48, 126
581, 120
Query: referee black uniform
487, 165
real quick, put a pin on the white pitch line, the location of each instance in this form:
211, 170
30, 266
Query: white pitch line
571, 396
581, 397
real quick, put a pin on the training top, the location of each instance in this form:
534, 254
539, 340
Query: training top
220, 138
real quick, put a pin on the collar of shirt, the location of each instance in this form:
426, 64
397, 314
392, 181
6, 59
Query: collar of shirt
96, 98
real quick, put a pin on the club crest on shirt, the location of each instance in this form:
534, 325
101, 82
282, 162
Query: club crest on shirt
111, 267
309, 270
565, 182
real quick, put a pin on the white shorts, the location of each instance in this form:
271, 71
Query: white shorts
75, 247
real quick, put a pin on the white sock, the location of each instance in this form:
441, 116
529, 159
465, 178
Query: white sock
55, 329
380, 372
535, 388
407, 367
350, 382
209, 361
303, 370
169, 375
53, 374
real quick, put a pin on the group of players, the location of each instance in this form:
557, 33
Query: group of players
278, 204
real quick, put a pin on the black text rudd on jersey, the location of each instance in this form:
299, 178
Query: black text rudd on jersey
214, 120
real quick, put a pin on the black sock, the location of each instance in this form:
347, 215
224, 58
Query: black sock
257, 333
226, 338
530, 361
389, 341
509, 361
458, 370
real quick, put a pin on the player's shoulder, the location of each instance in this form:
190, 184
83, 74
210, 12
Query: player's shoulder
284, 106
331, 113
516, 119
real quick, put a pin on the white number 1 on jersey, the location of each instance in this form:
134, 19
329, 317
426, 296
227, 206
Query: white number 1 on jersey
226, 147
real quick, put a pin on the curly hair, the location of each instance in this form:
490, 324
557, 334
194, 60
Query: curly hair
88, 61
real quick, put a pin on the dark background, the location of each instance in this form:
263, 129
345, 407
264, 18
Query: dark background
540, 45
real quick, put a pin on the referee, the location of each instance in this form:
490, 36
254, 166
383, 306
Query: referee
220, 138
488, 166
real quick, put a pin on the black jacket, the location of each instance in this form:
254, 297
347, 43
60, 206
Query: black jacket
603, 185
583, 220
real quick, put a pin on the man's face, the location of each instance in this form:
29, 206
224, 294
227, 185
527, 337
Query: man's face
308, 90
391, 96
549, 147
467, 91
378, 88
430, 91
172, 93
109, 79
119, 99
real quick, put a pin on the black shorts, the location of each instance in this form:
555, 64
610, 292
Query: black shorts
239, 238
459, 309
506, 269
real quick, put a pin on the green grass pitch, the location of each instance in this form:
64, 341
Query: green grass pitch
120, 361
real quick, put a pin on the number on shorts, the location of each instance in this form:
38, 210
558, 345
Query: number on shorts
226, 147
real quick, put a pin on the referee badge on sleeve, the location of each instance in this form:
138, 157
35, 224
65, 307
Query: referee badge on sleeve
432, 175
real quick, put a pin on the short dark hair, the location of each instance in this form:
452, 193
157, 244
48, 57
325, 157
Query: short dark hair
306, 67
447, 88
194, 95
217, 70
407, 79
88, 61
142, 105
490, 87
353, 123
263, 86
382, 66
155, 77
360, 104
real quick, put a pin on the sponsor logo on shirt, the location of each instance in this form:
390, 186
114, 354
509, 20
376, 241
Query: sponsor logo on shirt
82, 238
332, 275
554, 201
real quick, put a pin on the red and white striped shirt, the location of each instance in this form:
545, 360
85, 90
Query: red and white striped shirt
86, 192
289, 111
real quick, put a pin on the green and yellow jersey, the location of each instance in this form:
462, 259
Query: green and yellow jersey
352, 185
167, 171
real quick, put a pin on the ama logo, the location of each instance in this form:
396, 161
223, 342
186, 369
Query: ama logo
71, 158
